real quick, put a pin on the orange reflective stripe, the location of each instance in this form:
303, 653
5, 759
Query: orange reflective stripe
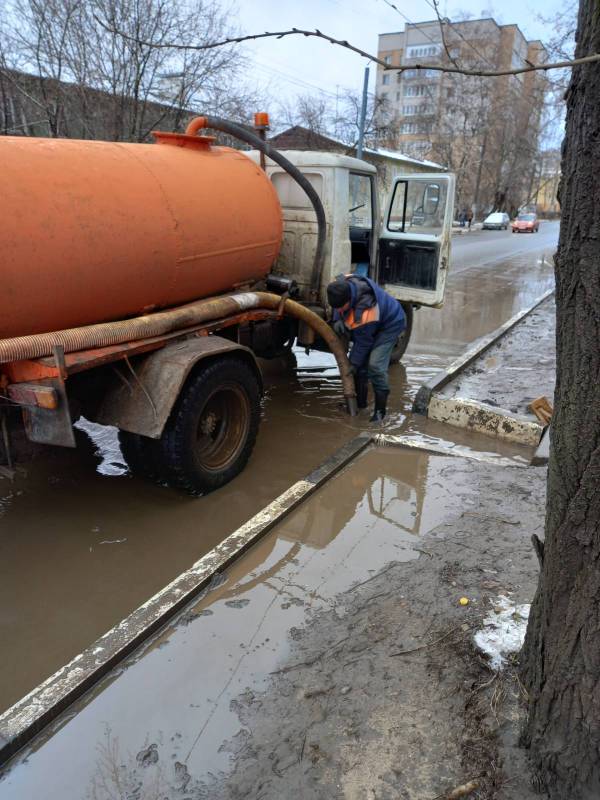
368, 315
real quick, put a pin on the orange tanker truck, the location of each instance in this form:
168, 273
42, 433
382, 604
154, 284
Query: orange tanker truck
141, 281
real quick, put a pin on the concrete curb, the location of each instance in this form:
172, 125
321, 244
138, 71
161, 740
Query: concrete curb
542, 454
472, 415
459, 451
20, 723
442, 378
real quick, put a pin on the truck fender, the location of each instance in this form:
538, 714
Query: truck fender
140, 399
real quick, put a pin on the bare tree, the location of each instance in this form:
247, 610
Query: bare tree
379, 120
61, 58
561, 656
311, 111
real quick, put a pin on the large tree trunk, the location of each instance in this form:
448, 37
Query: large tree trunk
561, 656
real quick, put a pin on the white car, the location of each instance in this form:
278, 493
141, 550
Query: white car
497, 221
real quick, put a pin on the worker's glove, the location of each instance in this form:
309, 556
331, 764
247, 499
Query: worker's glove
340, 328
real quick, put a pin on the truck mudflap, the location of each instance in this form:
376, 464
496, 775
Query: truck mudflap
142, 395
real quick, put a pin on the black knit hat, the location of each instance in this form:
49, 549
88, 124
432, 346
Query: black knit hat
338, 293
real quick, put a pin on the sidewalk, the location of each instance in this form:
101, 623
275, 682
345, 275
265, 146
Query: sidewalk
518, 368
491, 395
458, 231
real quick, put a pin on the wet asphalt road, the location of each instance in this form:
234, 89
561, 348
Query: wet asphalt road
82, 543
480, 248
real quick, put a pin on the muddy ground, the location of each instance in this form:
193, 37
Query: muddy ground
384, 695
518, 368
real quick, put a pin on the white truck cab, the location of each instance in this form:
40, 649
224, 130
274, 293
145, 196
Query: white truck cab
406, 249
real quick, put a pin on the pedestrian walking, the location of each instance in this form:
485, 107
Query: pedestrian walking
469, 217
373, 319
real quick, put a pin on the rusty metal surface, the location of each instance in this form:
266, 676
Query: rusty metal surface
32, 394
30, 370
50, 425
141, 403
82, 360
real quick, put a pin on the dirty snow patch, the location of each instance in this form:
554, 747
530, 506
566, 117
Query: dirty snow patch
106, 439
503, 630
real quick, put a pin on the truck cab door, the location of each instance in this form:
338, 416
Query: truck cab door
414, 242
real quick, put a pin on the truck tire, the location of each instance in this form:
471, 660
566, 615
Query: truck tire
138, 452
404, 338
212, 428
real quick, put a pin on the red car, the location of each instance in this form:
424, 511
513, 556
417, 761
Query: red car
525, 223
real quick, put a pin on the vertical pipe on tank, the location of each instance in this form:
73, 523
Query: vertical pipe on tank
261, 125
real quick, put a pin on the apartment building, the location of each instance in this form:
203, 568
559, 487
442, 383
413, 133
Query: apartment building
485, 129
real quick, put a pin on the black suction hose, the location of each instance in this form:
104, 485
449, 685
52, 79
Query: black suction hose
218, 124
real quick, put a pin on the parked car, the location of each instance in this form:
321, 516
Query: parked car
526, 223
497, 221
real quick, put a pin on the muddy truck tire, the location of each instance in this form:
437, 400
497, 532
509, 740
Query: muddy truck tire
212, 429
139, 453
404, 338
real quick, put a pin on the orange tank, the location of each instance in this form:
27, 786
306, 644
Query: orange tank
97, 231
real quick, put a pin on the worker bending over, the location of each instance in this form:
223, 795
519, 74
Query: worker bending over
373, 320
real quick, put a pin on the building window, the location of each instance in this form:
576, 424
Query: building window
387, 59
386, 79
422, 108
421, 73
415, 91
397, 95
423, 51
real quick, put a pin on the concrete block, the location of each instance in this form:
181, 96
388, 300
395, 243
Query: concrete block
486, 419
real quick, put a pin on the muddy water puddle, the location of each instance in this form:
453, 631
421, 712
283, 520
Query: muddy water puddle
82, 543
167, 712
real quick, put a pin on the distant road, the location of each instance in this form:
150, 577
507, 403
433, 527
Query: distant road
483, 247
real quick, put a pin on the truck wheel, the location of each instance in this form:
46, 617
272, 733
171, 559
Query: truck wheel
404, 338
138, 453
212, 429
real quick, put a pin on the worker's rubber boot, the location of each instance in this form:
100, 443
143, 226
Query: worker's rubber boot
361, 384
380, 409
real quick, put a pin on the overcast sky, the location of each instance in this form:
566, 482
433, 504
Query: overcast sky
298, 65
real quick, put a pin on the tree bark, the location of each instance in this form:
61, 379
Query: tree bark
561, 655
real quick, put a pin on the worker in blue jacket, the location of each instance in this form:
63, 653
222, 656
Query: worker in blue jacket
373, 320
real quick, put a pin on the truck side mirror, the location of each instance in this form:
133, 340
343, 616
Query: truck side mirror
431, 199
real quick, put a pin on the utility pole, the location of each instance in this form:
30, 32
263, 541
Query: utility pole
363, 115
478, 179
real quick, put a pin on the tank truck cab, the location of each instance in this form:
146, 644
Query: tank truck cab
400, 238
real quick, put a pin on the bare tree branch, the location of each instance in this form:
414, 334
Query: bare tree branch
444, 42
346, 44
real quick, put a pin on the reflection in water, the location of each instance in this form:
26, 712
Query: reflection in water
175, 703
